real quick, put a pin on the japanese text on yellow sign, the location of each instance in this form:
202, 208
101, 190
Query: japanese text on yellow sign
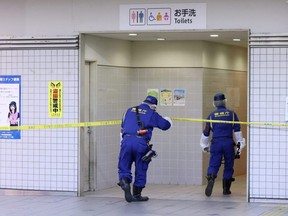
55, 105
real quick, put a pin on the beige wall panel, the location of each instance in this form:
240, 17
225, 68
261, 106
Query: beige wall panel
167, 54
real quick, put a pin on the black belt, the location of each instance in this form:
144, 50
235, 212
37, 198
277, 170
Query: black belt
223, 137
135, 135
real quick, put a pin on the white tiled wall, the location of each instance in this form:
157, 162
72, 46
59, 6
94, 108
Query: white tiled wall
268, 143
42, 159
180, 157
113, 97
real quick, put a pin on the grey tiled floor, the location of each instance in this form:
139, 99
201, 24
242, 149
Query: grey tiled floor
173, 200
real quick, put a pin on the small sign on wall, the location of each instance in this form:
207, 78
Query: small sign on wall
162, 16
10, 106
55, 105
153, 92
179, 97
166, 97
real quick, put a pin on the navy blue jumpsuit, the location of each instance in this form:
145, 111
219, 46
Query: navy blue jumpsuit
134, 146
222, 143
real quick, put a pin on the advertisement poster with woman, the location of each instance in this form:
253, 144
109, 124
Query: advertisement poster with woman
10, 107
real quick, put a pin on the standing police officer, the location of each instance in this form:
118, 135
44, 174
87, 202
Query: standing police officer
222, 143
136, 132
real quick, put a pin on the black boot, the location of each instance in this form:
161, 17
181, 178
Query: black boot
137, 194
125, 185
211, 179
226, 186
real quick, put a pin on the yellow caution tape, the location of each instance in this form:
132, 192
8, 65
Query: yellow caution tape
116, 122
67, 125
232, 122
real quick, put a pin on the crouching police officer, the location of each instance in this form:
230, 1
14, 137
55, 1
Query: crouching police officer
136, 132
222, 143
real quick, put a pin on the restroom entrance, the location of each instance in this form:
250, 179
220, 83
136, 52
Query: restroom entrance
129, 67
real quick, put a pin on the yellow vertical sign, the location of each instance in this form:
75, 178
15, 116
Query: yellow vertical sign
55, 105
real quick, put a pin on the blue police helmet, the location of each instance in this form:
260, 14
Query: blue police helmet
219, 97
219, 100
151, 100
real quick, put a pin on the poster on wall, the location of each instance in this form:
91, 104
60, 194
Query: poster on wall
153, 92
10, 106
55, 105
166, 97
179, 97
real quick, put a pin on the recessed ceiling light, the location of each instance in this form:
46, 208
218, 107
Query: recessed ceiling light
160, 39
214, 35
132, 34
236, 39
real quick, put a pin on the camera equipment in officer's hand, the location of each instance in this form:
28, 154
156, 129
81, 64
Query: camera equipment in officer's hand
150, 154
237, 155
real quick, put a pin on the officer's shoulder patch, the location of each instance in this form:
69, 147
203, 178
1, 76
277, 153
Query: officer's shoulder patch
142, 111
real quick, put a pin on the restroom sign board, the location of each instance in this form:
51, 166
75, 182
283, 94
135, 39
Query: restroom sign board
162, 17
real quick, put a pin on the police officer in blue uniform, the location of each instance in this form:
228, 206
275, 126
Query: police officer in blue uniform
222, 143
136, 132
